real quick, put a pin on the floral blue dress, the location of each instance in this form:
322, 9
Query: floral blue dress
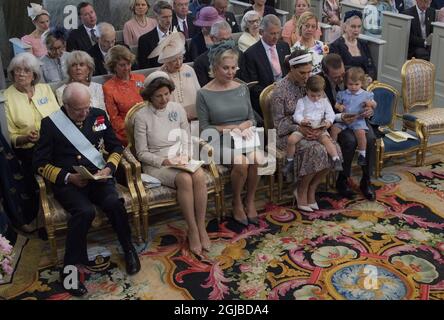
318, 51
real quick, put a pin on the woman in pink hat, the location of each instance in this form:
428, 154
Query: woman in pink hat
206, 17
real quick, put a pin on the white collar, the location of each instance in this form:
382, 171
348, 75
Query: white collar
179, 19
89, 29
419, 10
267, 46
355, 94
161, 33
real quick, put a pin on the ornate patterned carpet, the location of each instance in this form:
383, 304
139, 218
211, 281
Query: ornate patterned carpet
351, 249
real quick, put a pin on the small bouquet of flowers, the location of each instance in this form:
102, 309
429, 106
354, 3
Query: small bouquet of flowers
5, 258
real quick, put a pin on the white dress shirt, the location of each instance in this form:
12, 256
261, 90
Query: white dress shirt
313, 111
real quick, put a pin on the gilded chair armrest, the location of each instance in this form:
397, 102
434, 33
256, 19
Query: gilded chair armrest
419, 129
44, 200
125, 177
136, 170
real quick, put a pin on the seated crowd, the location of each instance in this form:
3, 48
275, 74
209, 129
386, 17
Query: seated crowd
319, 106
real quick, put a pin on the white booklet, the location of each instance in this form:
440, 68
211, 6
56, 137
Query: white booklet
150, 181
88, 175
246, 144
191, 166
400, 136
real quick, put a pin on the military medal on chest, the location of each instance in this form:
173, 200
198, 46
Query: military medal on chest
99, 124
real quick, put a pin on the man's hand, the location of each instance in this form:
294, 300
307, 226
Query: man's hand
340, 107
77, 180
367, 112
348, 118
103, 173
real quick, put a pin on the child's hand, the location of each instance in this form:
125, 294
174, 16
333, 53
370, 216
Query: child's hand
340, 107
306, 122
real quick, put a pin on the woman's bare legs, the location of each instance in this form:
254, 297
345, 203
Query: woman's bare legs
302, 189
239, 175
185, 197
200, 204
313, 185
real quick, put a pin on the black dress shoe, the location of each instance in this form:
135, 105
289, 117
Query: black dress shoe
344, 189
367, 189
76, 292
132, 261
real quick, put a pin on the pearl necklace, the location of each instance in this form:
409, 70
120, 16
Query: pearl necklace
179, 89
144, 24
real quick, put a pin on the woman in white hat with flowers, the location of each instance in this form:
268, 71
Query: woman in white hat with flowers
171, 53
40, 19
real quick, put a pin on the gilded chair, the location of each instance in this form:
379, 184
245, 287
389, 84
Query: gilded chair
163, 196
279, 155
384, 117
418, 90
55, 218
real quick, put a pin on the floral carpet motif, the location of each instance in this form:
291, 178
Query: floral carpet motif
350, 249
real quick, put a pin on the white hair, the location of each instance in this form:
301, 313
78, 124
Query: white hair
268, 20
25, 60
74, 89
248, 15
105, 28
216, 27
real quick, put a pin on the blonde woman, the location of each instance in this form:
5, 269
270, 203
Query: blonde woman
40, 19
80, 68
289, 31
307, 26
139, 24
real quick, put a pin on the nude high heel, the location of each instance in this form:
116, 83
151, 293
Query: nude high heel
303, 208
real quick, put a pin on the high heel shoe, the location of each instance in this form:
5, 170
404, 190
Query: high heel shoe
254, 221
314, 206
303, 208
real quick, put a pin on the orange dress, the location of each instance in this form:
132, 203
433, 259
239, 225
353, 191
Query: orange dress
120, 96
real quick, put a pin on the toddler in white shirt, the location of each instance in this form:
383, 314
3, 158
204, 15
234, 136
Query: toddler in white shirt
314, 111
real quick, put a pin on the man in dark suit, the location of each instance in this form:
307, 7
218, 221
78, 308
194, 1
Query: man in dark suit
220, 31
399, 5
221, 7
164, 16
107, 40
264, 60
420, 28
182, 20
333, 73
78, 135
85, 36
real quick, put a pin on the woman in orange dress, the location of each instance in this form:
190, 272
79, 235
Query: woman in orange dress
123, 90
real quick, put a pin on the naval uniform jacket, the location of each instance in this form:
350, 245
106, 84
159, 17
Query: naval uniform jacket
55, 155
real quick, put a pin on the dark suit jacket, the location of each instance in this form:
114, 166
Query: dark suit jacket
256, 67
416, 40
231, 19
329, 90
78, 39
99, 61
399, 5
54, 151
437, 4
197, 46
192, 29
146, 45
365, 61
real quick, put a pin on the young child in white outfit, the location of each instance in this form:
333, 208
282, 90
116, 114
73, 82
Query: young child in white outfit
315, 111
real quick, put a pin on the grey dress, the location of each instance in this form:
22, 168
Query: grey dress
229, 107
311, 156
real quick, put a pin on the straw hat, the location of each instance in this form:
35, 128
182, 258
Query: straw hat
207, 16
170, 47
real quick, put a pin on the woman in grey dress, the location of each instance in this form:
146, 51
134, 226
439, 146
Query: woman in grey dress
223, 106
312, 162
